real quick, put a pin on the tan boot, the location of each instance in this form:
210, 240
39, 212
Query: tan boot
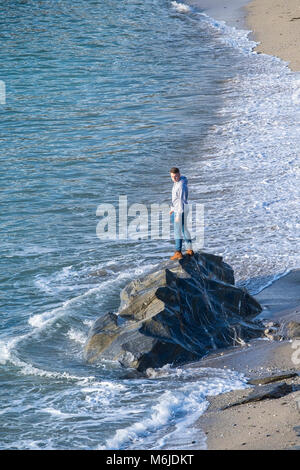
190, 252
177, 255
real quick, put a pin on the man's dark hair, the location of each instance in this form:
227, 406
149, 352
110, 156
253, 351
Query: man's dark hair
174, 170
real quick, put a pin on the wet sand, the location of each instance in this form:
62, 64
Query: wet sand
271, 423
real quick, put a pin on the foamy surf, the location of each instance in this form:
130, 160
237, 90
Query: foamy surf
8, 355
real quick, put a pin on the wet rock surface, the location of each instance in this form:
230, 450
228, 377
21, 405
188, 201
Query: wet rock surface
177, 313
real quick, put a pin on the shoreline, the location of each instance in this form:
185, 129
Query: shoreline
270, 423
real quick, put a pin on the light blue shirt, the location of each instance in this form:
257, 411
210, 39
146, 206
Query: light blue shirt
180, 196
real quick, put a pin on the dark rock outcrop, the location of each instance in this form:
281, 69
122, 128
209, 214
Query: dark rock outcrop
176, 314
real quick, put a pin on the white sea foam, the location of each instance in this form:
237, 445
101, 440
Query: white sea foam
30, 444
5, 348
7, 355
30, 250
236, 38
165, 371
41, 321
181, 7
231, 36
271, 281
255, 161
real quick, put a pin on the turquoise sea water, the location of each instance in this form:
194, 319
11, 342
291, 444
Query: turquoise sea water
102, 98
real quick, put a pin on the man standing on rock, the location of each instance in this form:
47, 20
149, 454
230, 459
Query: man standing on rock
178, 213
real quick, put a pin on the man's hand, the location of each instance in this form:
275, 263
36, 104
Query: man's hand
177, 218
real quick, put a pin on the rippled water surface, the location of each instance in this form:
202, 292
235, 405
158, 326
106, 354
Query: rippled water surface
102, 98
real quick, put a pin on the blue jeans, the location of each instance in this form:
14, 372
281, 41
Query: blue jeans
178, 230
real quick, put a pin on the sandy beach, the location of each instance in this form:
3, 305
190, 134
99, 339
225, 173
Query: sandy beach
276, 25
270, 423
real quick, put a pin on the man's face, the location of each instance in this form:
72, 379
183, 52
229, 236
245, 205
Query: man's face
175, 177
